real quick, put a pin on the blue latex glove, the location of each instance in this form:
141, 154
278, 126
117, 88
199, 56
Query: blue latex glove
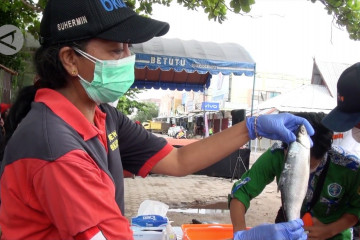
277, 126
292, 230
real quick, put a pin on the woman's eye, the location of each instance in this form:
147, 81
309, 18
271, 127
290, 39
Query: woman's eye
119, 51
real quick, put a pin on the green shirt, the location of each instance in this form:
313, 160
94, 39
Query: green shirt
339, 195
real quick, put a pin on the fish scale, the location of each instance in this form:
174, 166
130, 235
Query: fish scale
294, 177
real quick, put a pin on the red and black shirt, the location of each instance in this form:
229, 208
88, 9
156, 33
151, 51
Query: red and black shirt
62, 177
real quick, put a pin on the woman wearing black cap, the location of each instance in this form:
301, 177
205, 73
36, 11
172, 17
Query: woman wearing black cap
66, 149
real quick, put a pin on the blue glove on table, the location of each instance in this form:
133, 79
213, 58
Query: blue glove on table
292, 230
277, 126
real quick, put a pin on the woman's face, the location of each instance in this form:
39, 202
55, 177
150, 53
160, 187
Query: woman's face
102, 50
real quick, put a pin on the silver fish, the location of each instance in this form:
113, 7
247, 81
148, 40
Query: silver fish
294, 178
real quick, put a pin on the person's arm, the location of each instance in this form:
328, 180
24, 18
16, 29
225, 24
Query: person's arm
252, 183
237, 215
325, 231
201, 154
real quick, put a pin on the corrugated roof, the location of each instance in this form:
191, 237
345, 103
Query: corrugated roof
319, 96
330, 73
306, 98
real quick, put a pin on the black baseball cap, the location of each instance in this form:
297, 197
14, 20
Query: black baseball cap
347, 112
73, 20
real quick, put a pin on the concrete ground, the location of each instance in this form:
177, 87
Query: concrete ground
197, 197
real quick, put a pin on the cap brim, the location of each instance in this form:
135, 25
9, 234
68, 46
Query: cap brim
135, 29
339, 121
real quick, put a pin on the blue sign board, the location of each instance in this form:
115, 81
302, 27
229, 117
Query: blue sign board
210, 106
183, 99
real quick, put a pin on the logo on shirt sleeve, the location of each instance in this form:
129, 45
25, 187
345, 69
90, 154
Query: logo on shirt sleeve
113, 140
239, 184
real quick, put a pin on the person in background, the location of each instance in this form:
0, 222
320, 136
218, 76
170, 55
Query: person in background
344, 119
332, 197
66, 149
211, 132
4, 112
4, 109
183, 124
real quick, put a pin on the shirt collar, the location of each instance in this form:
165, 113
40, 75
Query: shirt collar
63, 108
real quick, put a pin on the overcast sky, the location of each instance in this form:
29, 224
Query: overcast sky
282, 36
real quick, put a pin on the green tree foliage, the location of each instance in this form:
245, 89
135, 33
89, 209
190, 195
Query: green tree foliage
128, 103
150, 111
15, 12
346, 13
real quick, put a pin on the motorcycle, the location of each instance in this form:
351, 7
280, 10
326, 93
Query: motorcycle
181, 133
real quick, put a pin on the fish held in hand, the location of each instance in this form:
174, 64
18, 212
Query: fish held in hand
294, 178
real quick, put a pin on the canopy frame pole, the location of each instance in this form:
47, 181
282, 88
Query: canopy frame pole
204, 98
160, 80
252, 99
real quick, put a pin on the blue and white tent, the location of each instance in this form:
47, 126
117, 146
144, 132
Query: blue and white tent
163, 63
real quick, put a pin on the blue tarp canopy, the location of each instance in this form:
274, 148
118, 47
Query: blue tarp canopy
163, 63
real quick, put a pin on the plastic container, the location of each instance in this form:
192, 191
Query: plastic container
149, 221
207, 231
185, 226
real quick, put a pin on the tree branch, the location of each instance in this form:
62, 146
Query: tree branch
35, 7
